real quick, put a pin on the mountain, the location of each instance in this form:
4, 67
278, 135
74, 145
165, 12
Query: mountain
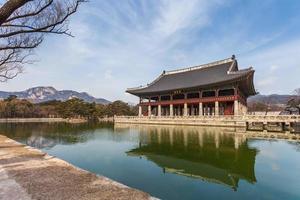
275, 99
42, 94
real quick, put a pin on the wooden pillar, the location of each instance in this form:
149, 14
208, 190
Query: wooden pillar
216, 108
200, 109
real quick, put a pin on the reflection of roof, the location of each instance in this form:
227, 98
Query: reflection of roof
220, 166
196, 170
198, 76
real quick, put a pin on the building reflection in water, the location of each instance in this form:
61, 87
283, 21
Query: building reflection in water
214, 155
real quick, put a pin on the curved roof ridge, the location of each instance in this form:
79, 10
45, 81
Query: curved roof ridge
219, 62
241, 71
136, 88
145, 86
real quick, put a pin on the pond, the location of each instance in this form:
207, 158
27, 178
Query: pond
173, 162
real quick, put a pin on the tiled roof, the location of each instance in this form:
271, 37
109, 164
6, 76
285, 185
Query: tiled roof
198, 76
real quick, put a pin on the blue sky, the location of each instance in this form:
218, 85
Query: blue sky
121, 44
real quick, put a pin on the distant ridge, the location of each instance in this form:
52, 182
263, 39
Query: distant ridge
43, 94
275, 99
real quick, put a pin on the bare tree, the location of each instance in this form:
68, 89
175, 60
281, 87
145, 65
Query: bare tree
294, 103
297, 92
23, 26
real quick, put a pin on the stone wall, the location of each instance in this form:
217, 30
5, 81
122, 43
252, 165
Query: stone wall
190, 120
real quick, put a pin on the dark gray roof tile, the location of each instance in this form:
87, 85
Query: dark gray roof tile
198, 76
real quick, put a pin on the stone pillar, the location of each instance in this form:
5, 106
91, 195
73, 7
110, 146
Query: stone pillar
216, 108
140, 111
236, 107
149, 110
185, 110
200, 109
159, 111
171, 110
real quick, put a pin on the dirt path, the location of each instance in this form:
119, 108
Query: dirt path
27, 173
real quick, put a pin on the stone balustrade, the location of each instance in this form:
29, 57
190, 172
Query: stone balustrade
226, 121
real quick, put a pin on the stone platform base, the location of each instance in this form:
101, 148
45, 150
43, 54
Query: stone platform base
27, 173
197, 121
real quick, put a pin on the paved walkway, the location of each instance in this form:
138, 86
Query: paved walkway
27, 173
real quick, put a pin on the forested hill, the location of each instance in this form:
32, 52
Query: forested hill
271, 99
43, 94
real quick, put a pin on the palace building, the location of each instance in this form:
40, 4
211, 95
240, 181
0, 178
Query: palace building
217, 88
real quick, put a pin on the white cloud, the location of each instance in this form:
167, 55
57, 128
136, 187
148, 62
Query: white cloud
108, 74
274, 68
130, 44
266, 82
277, 67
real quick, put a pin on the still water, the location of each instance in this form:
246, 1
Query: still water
173, 162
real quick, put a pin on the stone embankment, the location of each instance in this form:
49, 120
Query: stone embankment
106, 119
270, 123
27, 173
48, 120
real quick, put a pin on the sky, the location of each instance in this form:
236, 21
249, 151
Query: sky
128, 43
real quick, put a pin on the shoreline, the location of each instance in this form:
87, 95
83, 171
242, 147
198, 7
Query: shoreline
42, 120
29, 173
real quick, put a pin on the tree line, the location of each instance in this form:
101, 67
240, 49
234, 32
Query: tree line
292, 106
12, 107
